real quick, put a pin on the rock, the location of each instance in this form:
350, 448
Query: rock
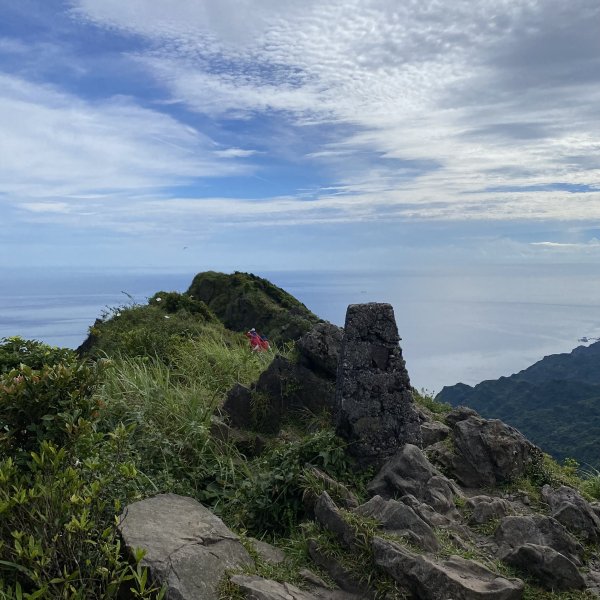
187, 547
460, 413
346, 580
514, 532
573, 511
343, 496
426, 512
486, 508
258, 588
433, 432
552, 570
268, 553
282, 387
312, 578
238, 407
489, 452
409, 472
399, 519
374, 409
328, 516
454, 578
320, 349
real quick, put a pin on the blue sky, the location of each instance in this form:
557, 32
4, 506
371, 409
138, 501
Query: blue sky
276, 134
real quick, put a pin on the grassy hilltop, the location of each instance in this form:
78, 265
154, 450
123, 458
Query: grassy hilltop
135, 412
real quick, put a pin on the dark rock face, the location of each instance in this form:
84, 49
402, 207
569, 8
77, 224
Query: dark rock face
460, 413
514, 532
320, 349
455, 578
487, 453
399, 519
576, 514
409, 472
374, 408
187, 547
552, 570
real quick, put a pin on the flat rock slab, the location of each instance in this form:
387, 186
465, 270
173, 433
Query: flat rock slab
258, 588
187, 547
454, 578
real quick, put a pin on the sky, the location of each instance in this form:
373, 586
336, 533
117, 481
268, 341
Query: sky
279, 134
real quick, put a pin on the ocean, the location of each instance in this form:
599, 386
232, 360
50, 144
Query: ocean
467, 325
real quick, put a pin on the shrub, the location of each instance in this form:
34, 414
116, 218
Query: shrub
38, 405
270, 498
15, 351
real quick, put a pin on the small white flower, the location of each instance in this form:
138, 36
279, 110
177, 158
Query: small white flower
167, 317
117, 314
159, 299
77, 462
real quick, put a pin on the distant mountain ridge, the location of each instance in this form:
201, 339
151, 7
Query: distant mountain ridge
554, 402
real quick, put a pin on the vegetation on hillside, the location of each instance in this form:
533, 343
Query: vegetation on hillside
137, 413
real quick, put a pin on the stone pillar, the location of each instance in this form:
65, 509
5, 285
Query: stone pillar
374, 409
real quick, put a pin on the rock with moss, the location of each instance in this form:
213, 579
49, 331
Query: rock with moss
455, 578
243, 300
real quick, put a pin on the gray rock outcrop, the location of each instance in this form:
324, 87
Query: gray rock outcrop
399, 519
455, 578
374, 408
488, 452
573, 511
259, 588
550, 568
187, 547
328, 515
517, 531
409, 472
487, 508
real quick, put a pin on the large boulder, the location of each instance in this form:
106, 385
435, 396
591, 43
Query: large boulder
550, 568
397, 518
516, 531
487, 508
409, 472
489, 452
374, 409
455, 578
573, 511
187, 547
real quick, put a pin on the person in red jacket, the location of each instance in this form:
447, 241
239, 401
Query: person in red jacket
257, 342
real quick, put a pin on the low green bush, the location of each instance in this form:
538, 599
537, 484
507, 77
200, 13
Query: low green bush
16, 351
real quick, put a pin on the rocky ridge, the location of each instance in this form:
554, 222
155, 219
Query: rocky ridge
446, 517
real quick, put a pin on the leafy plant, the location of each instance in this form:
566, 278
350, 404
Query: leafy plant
16, 351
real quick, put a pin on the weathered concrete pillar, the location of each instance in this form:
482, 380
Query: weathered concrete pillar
374, 408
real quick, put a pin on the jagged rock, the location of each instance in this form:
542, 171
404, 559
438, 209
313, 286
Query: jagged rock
399, 519
328, 516
374, 409
187, 547
454, 578
595, 506
320, 348
312, 578
258, 588
569, 508
426, 512
489, 452
268, 553
486, 508
339, 491
553, 570
283, 386
433, 432
460, 413
514, 532
346, 580
409, 472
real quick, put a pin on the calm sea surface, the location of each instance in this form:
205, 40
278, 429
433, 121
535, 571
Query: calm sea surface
462, 326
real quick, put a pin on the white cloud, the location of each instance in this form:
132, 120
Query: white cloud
55, 145
455, 87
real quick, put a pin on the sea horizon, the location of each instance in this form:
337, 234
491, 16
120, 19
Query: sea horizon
465, 328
